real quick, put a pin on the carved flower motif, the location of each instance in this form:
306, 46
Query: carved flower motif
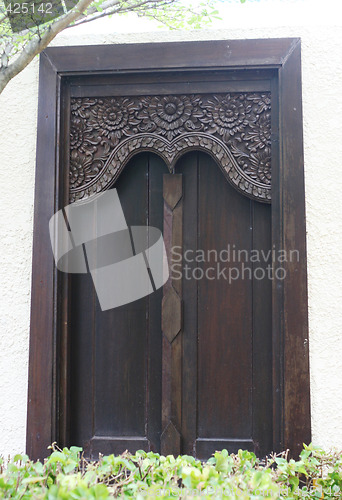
262, 102
77, 133
113, 118
98, 125
80, 107
227, 115
259, 133
169, 115
81, 171
81, 139
261, 166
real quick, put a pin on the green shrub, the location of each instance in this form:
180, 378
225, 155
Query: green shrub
67, 475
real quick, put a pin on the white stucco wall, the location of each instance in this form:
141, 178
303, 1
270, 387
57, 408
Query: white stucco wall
321, 33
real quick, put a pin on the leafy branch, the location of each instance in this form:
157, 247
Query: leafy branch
17, 49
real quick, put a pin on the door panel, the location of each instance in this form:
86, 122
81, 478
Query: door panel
225, 377
224, 312
116, 354
227, 349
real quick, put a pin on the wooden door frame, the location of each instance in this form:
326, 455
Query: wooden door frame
291, 388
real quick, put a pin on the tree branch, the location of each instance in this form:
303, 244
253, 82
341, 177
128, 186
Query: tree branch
30, 42
35, 46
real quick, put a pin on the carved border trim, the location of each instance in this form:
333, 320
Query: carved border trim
234, 128
170, 152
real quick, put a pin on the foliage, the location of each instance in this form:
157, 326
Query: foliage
67, 475
27, 27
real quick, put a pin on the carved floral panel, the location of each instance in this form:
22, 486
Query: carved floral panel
234, 128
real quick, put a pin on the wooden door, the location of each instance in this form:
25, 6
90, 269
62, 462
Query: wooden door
115, 365
219, 366
227, 333
244, 110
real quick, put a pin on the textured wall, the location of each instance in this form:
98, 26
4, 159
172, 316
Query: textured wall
322, 99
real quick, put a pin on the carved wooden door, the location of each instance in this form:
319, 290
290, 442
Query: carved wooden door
189, 133
187, 368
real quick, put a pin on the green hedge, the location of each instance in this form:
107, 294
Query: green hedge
67, 475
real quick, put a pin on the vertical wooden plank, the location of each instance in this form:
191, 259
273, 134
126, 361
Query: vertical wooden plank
154, 359
224, 309
297, 427
177, 239
41, 430
122, 333
81, 367
262, 329
171, 310
277, 285
78, 310
188, 166
166, 344
63, 336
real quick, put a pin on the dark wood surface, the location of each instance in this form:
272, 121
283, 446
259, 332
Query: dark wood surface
146, 56
172, 319
48, 388
296, 394
263, 357
214, 370
166, 82
225, 328
115, 367
42, 397
227, 353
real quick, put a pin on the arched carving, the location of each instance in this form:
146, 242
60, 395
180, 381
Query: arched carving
235, 129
